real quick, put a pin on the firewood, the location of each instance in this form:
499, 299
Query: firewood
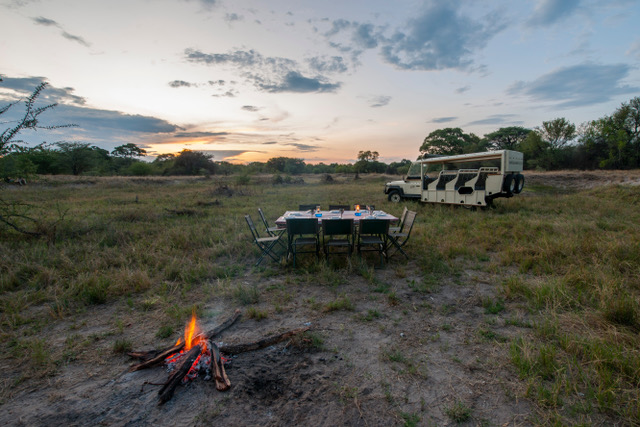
266, 342
166, 392
217, 368
155, 357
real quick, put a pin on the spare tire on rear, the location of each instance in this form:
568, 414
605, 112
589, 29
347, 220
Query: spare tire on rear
509, 184
519, 183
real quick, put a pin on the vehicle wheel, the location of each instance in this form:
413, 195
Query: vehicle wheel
519, 183
395, 197
509, 184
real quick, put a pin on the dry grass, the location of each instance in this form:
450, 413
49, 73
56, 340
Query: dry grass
569, 253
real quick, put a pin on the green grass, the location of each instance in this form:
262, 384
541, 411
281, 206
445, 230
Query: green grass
569, 260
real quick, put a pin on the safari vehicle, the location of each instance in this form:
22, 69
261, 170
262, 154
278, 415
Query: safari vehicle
467, 179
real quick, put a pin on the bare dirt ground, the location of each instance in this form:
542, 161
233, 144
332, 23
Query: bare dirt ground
424, 356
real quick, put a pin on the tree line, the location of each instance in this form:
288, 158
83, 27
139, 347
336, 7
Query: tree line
611, 142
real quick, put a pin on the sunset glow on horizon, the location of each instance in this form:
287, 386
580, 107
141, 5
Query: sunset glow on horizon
247, 81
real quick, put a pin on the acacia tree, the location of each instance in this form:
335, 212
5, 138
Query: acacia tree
30, 120
16, 214
507, 138
450, 141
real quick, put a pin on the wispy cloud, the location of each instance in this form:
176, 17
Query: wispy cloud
250, 108
577, 85
549, 12
40, 20
180, 83
269, 74
379, 101
497, 119
443, 119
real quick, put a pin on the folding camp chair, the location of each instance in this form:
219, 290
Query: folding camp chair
337, 233
266, 244
399, 239
372, 233
303, 232
400, 226
271, 230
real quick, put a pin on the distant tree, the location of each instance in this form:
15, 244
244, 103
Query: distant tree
193, 163
368, 162
368, 156
79, 157
129, 151
557, 132
614, 141
507, 138
450, 141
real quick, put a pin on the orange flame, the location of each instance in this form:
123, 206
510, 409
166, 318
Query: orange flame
192, 334
357, 208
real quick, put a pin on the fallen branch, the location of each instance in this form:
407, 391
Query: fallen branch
266, 342
155, 357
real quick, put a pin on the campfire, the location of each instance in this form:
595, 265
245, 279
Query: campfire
197, 354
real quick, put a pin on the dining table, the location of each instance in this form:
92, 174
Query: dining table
281, 222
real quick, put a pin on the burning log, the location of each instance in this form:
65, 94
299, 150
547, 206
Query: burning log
155, 357
265, 342
166, 392
217, 368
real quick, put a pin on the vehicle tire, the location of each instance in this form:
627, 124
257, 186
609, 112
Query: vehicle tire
395, 197
509, 184
519, 183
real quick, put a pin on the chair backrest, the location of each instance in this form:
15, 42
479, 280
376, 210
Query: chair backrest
308, 207
252, 227
331, 227
264, 220
403, 218
408, 222
338, 207
374, 226
298, 226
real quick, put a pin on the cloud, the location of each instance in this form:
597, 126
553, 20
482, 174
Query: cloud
46, 22
443, 119
463, 89
251, 108
192, 135
40, 20
307, 148
379, 101
549, 12
440, 37
577, 85
206, 4
322, 64
96, 119
634, 50
180, 83
24, 86
232, 17
270, 74
293, 81
496, 119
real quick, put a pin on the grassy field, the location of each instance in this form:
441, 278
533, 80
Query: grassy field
161, 247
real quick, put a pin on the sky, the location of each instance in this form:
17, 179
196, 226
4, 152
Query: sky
248, 80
